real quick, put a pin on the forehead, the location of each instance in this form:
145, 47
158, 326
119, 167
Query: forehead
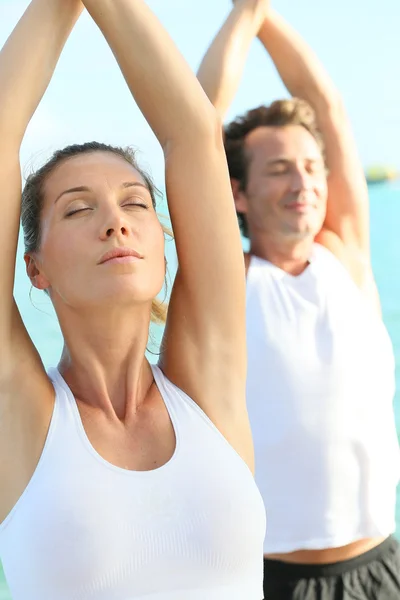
292, 142
94, 170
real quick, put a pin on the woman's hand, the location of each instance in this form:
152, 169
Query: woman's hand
262, 7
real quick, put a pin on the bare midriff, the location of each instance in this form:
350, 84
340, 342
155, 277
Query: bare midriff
328, 555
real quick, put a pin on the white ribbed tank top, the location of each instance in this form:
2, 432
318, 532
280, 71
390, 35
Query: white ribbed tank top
320, 398
87, 530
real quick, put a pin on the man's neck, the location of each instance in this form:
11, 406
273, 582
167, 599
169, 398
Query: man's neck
289, 255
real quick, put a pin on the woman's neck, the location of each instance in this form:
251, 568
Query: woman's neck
103, 359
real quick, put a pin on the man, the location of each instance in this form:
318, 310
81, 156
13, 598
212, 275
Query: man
321, 369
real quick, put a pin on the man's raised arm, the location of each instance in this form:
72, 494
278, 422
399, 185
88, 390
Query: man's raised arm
306, 78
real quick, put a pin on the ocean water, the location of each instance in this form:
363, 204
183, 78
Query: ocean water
385, 242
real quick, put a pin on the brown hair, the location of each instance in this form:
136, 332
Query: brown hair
279, 114
33, 197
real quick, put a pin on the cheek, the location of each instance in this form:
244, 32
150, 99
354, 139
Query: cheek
322, 193
155, 240
155, 249
269, 193
62, 256
321, 186
274, 188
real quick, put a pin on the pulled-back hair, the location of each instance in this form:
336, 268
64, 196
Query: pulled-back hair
280, 113
33, 198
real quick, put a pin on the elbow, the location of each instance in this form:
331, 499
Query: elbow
214, 129
207, 125
334, 104
211, 135
199, 131
330, 103
322, 96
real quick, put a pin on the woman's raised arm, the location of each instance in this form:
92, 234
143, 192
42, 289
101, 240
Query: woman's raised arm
27, 62
204, 346
222, 67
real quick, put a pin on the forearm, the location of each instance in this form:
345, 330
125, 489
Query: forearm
222, 67
300, 69
163, 85
28, 60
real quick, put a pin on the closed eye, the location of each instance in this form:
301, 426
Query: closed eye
315, 168
78, 210
279, 167
139, 204
278, 171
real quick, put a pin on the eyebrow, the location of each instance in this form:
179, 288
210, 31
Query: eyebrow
84, 188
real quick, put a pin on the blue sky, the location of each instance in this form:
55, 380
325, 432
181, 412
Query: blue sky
88, 98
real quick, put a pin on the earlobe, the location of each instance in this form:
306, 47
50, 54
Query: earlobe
40, 282
239, 196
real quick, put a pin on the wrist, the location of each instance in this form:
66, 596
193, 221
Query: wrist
269, 22
257, 10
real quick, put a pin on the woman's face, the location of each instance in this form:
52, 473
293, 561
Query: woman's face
96, 203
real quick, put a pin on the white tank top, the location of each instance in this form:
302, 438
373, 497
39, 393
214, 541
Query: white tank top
320, 398
85, 529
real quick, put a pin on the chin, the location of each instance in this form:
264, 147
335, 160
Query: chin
309, 229
119, 297
125, 295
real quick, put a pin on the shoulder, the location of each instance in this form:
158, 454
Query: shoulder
355, 262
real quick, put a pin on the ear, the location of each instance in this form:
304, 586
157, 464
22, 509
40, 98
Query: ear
239, 197
36, 276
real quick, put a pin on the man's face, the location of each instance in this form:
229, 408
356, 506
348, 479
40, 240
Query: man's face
286, 190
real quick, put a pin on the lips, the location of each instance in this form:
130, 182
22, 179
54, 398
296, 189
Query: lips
299, 206
119, 253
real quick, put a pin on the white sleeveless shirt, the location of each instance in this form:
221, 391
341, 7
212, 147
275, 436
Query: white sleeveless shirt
320, 399
87, 530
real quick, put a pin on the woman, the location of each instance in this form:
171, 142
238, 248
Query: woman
120, 480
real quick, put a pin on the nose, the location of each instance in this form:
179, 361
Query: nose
114, 225
111, 231
301, 180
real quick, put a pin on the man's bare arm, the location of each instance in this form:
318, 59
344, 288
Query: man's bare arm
306, 78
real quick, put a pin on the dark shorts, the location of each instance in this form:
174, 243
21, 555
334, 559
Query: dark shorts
374, 575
